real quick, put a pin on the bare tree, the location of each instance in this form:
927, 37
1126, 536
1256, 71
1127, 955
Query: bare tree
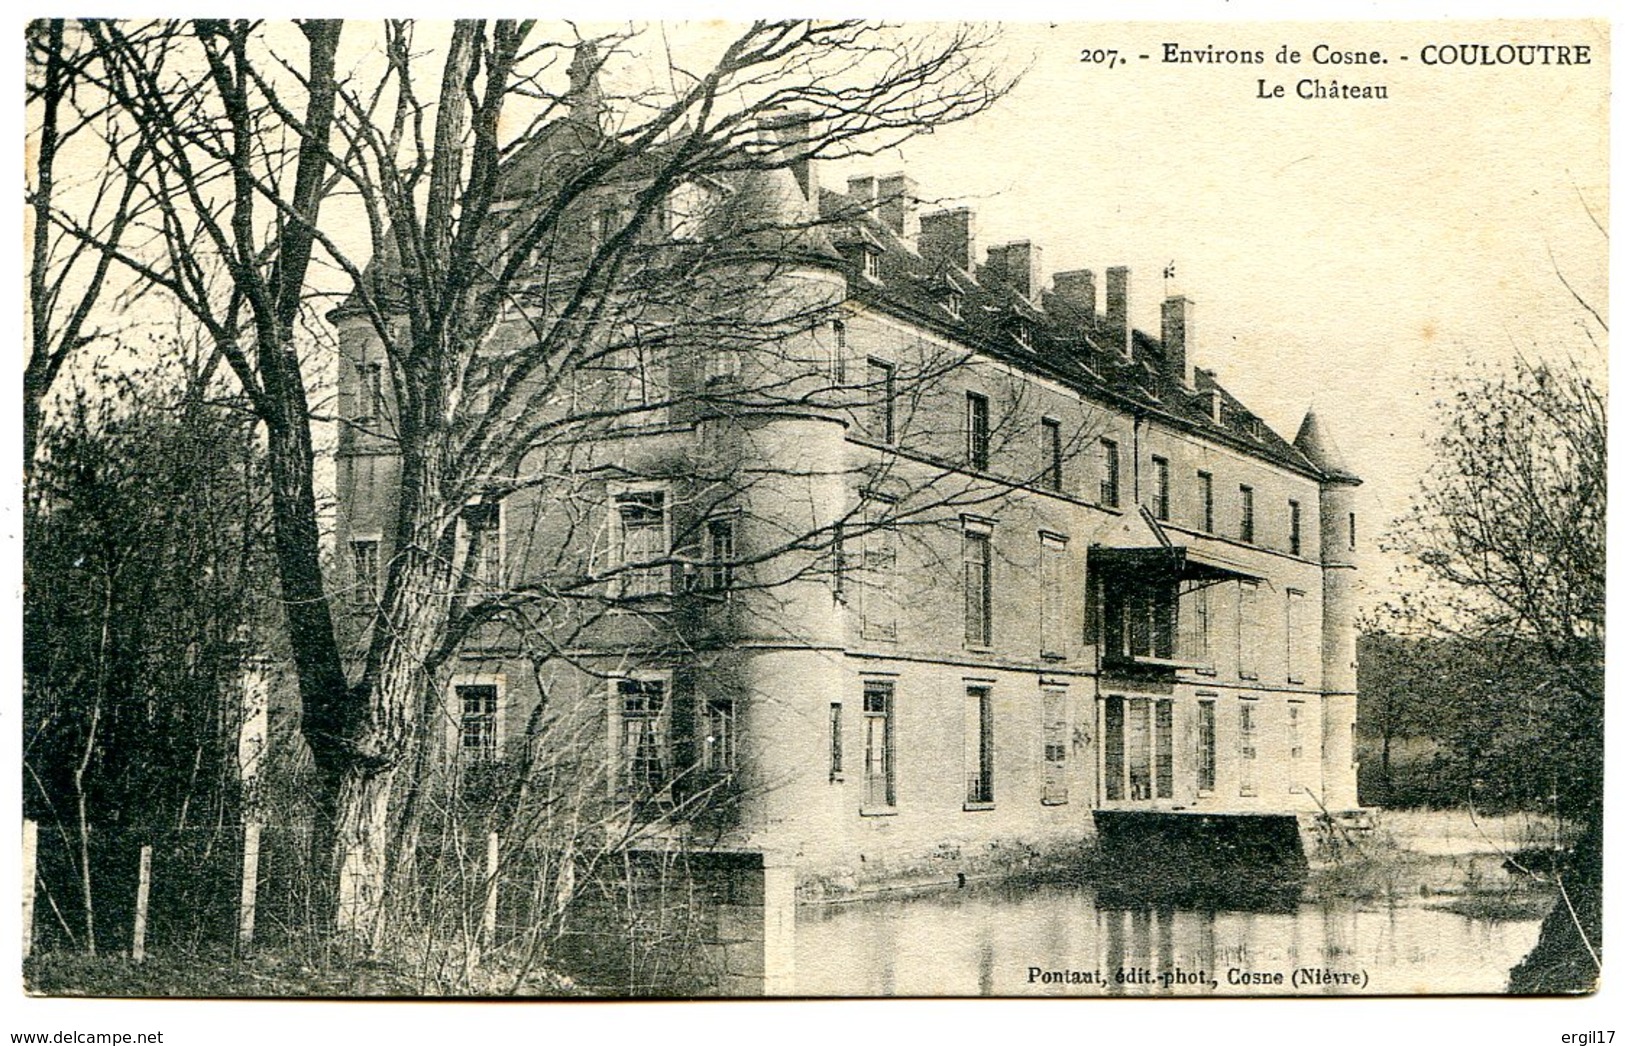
492, 318
1508, 542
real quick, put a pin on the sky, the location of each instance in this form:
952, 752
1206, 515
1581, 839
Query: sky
1350, 254
1353, 255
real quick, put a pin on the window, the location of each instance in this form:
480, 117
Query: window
1114, 747
1052, 591
978, 745
879, 777
719, 554
605, 222
1159, 490
1204, 490
954, 302
643, 750
1023, 333
364, 561
477, 721
482, 530
871, 264
1207, 749
1351, 532
1247, 630
1246, 514
978, 585
1195, 624
1108, 473
370, 401
1297, 647
837, 353
1139, 748
1053, 457
1246, 736
1165, 748
837, 744
1294, 528
1294, 743
643, 543
717, 737
1057, 738
877, 599
883, 387
1140, 619
976, 435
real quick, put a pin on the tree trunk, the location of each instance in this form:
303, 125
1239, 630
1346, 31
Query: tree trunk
357, 852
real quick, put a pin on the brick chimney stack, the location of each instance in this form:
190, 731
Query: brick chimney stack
1178, 339
898, 208
949, 236
1119, 329
1077, 288
1019, 266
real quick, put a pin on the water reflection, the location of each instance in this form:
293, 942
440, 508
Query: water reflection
1076, 940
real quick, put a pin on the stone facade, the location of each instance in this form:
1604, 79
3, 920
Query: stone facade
1002, 562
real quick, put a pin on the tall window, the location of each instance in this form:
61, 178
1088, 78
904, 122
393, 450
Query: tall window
1164, 729
371, 398
1294, 528
1159, 490
837, 353
978, 744
1247, 745
1052, 592
1351, 532
1294, 745
1207, 747
883, 389
1247, 513
1113, 747
1247, 630
877, 600
477, 722
364, 561
1108, 473
1054, 460
482, 528
643, 542
717, 737
976, 434
879, 776
643, 750
1204, 490
1297, 647
719, 554
837, 744
1195, 626
978, 585
1139, 748
1057, 738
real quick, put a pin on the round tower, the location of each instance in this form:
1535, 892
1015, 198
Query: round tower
1339, 551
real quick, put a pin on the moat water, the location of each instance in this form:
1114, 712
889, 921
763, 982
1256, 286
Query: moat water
1069, 940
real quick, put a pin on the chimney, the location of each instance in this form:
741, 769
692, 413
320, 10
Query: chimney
898, 209
1019, 266
793, 131
949, 236
1118, 327
1077, 288
1178, 339
862, 190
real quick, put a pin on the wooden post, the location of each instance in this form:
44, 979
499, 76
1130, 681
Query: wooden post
138, 943
30, 869
251, 885
488, 925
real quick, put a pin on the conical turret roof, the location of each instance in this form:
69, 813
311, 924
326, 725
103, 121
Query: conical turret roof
1315, 442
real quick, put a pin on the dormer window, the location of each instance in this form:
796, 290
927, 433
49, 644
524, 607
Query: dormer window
954, 302
871, 263
1022, 331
